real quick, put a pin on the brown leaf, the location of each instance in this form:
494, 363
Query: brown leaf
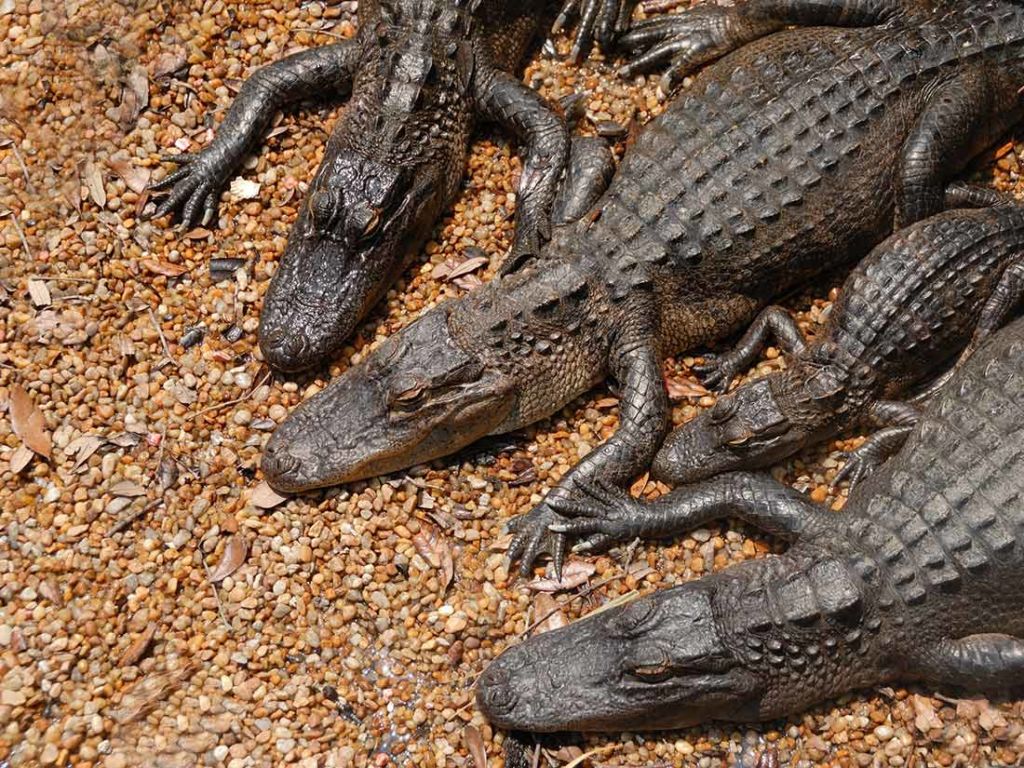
28, 422
680, 389
82, 448
235, 552
265, 497
199, 233
135, 177
127, 489
39, 293
20, 459
167, 63
134, 97
467, 266
93, 179
926, 719
145, 695
548, 613
468, 282
576, 573
605, 403
435, 549
133, 653
475, 744
164, 268
167, 472
989, 717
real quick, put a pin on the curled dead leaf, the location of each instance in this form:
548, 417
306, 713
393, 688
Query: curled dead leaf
164, 268
435, 549
133, 653
146, 694
127, 489
680, 389
475, 745
265, 497
244, 189
28, 422
548, 614
20, 459
93, 178
468, 266
925, 718
39, 293
235, 552
576, 573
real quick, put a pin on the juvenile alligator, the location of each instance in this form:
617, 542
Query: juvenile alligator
905, 311
920, 577
796, 153
420, 73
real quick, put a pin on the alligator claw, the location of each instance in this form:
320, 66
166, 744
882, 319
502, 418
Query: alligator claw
599, 21
716, 372
605, 514
533, 537
859, 464
194, 189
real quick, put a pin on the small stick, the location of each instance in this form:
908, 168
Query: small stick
29, 186
216, 596
21, 234
126, 522
229, 403
578, 596
160, 332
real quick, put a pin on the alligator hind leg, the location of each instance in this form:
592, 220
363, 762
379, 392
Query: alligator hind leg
1005, 298
962, 116
599, 20
979, 662
718, 371
695, 37
195, 188
545, 136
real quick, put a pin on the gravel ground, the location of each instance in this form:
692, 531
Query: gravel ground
159, 605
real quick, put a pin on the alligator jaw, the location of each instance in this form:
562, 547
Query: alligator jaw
417, 397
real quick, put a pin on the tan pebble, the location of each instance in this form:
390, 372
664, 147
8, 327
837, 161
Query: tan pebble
456, 623
12, 698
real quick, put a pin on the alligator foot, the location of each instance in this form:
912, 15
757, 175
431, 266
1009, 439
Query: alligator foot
688, 40
603, 514
717, 371
599, 20
194, 188
534, 536
871, 454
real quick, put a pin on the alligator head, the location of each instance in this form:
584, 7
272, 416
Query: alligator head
658, 662
354, 233
757, 425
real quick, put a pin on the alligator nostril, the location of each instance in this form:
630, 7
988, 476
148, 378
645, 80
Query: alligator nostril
284, 350
278, 462
495, 692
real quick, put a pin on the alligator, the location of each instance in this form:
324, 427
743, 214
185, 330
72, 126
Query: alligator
420, 73
919, 578
922, 296
796, 153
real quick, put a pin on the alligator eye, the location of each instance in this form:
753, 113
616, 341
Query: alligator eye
634, 616
741, 440
408, 396
723, 409
372, 225
652, 673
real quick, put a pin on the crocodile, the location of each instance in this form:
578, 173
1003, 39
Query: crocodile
420, 72
797, 152
919, 578
928, 292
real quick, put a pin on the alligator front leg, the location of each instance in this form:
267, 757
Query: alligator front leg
197, 185
599, 20
718, 371
897, 420
545, 136
695, 37
962, 115
1006, 297
606, 515
976, 662
587, 177
643, 422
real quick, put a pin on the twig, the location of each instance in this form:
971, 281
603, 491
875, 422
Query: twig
126, 522
229, 403
63, 277
327, 32
21, 233
590, 589
29, 186
216, 596
160, 331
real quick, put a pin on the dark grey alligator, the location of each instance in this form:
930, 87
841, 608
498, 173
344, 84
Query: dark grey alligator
920, 577
420, 73
907, 310
795, 154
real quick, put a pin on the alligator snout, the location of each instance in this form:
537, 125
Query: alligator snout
496, 695
286, 351
280, 465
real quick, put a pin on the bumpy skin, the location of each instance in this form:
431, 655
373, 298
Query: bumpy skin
907, 309
420, 72
788, 157
919, 578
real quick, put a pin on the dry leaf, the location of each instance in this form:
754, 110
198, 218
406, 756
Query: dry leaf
39, 293
20, 459
467, 266
135, 96
127, 489
28, 422
638, 487
199, 233
475, 744
468, 282
167, 472
606, 402
574, 574
134, 652
548, 613
93, 179
145, 695
135, 177
235, 552
434, 548
926, 719
164, 268
82, 448
680, 389
243, 189
265, 497
989, 717
167, 63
